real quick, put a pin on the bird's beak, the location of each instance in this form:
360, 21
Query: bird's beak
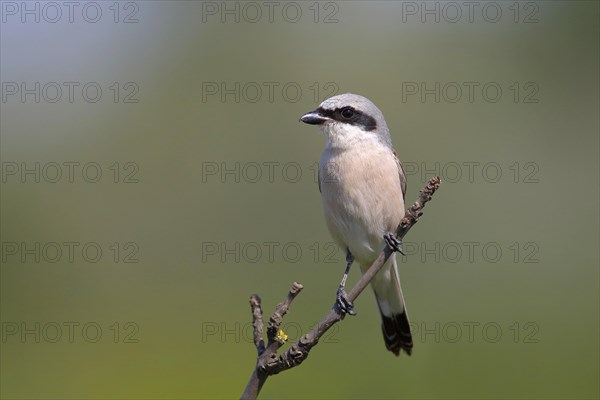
313, 118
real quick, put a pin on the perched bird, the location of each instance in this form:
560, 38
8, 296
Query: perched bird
362, 186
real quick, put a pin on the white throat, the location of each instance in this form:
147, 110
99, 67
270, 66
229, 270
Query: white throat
340, 135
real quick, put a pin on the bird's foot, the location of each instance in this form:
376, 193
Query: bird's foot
343, 302
393, 242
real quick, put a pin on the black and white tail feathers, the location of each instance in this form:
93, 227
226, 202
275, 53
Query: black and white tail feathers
394, 317
396, 333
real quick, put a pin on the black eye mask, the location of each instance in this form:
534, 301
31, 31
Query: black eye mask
358, 118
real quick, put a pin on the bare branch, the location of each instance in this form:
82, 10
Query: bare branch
257, 322
273, 333
268, 362
276, 338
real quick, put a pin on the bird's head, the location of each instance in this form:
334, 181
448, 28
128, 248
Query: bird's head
348, 119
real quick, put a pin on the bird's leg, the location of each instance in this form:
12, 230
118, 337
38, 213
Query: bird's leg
393, 242
342, 300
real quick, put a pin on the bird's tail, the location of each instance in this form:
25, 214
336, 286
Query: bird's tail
394, 318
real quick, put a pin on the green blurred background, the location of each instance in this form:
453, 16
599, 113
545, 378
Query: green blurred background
201, 239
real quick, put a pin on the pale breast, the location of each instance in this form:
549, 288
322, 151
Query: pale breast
362, 198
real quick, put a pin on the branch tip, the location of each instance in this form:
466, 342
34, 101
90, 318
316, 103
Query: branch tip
255, 300
296, 288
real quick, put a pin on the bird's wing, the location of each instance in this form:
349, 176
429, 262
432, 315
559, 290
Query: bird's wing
319, 177
400, 173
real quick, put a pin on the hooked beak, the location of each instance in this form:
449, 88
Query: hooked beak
313, 118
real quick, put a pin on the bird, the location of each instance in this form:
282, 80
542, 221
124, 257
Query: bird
362, 185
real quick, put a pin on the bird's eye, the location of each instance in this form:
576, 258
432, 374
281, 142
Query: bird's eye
347, 112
